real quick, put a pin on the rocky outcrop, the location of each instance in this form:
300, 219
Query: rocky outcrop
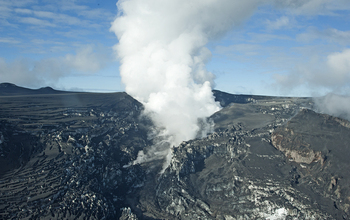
302, 153
319, 144
231, 181
127, 214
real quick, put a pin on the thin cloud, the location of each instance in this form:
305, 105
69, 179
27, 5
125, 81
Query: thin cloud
5, 12
319, 74
37, 22
331, 35
9, 40
17, 3
29, 21
26, 72
42, 41
240, 49
96, 13
313, 7
23, 11
279, 23
264, 57
86, 60
5, 24
47, 15
58, 18
68, 5
263, 37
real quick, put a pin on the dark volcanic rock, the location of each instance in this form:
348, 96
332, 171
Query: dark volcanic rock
63, 156
237, 173
320, 147
16, 146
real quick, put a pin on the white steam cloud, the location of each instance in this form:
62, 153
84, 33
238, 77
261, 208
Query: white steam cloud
335, 105
163, 55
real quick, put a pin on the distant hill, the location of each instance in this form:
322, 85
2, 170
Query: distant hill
9, 89
226, 99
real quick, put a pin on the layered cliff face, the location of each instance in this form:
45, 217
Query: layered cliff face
63, 157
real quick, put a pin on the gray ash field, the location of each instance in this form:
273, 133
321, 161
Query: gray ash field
62, 156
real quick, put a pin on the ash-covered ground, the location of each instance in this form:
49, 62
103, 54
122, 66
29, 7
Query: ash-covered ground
62, 156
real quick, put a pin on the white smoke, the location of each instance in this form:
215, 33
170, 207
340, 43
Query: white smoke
163, 55
335, 105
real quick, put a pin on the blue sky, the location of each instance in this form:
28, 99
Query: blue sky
292, 47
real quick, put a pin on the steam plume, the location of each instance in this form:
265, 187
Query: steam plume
163, 55
333, 104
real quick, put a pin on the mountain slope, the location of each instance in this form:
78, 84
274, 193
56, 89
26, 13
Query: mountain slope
72, 165
63, 156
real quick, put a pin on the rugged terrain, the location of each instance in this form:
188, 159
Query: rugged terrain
62, 156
